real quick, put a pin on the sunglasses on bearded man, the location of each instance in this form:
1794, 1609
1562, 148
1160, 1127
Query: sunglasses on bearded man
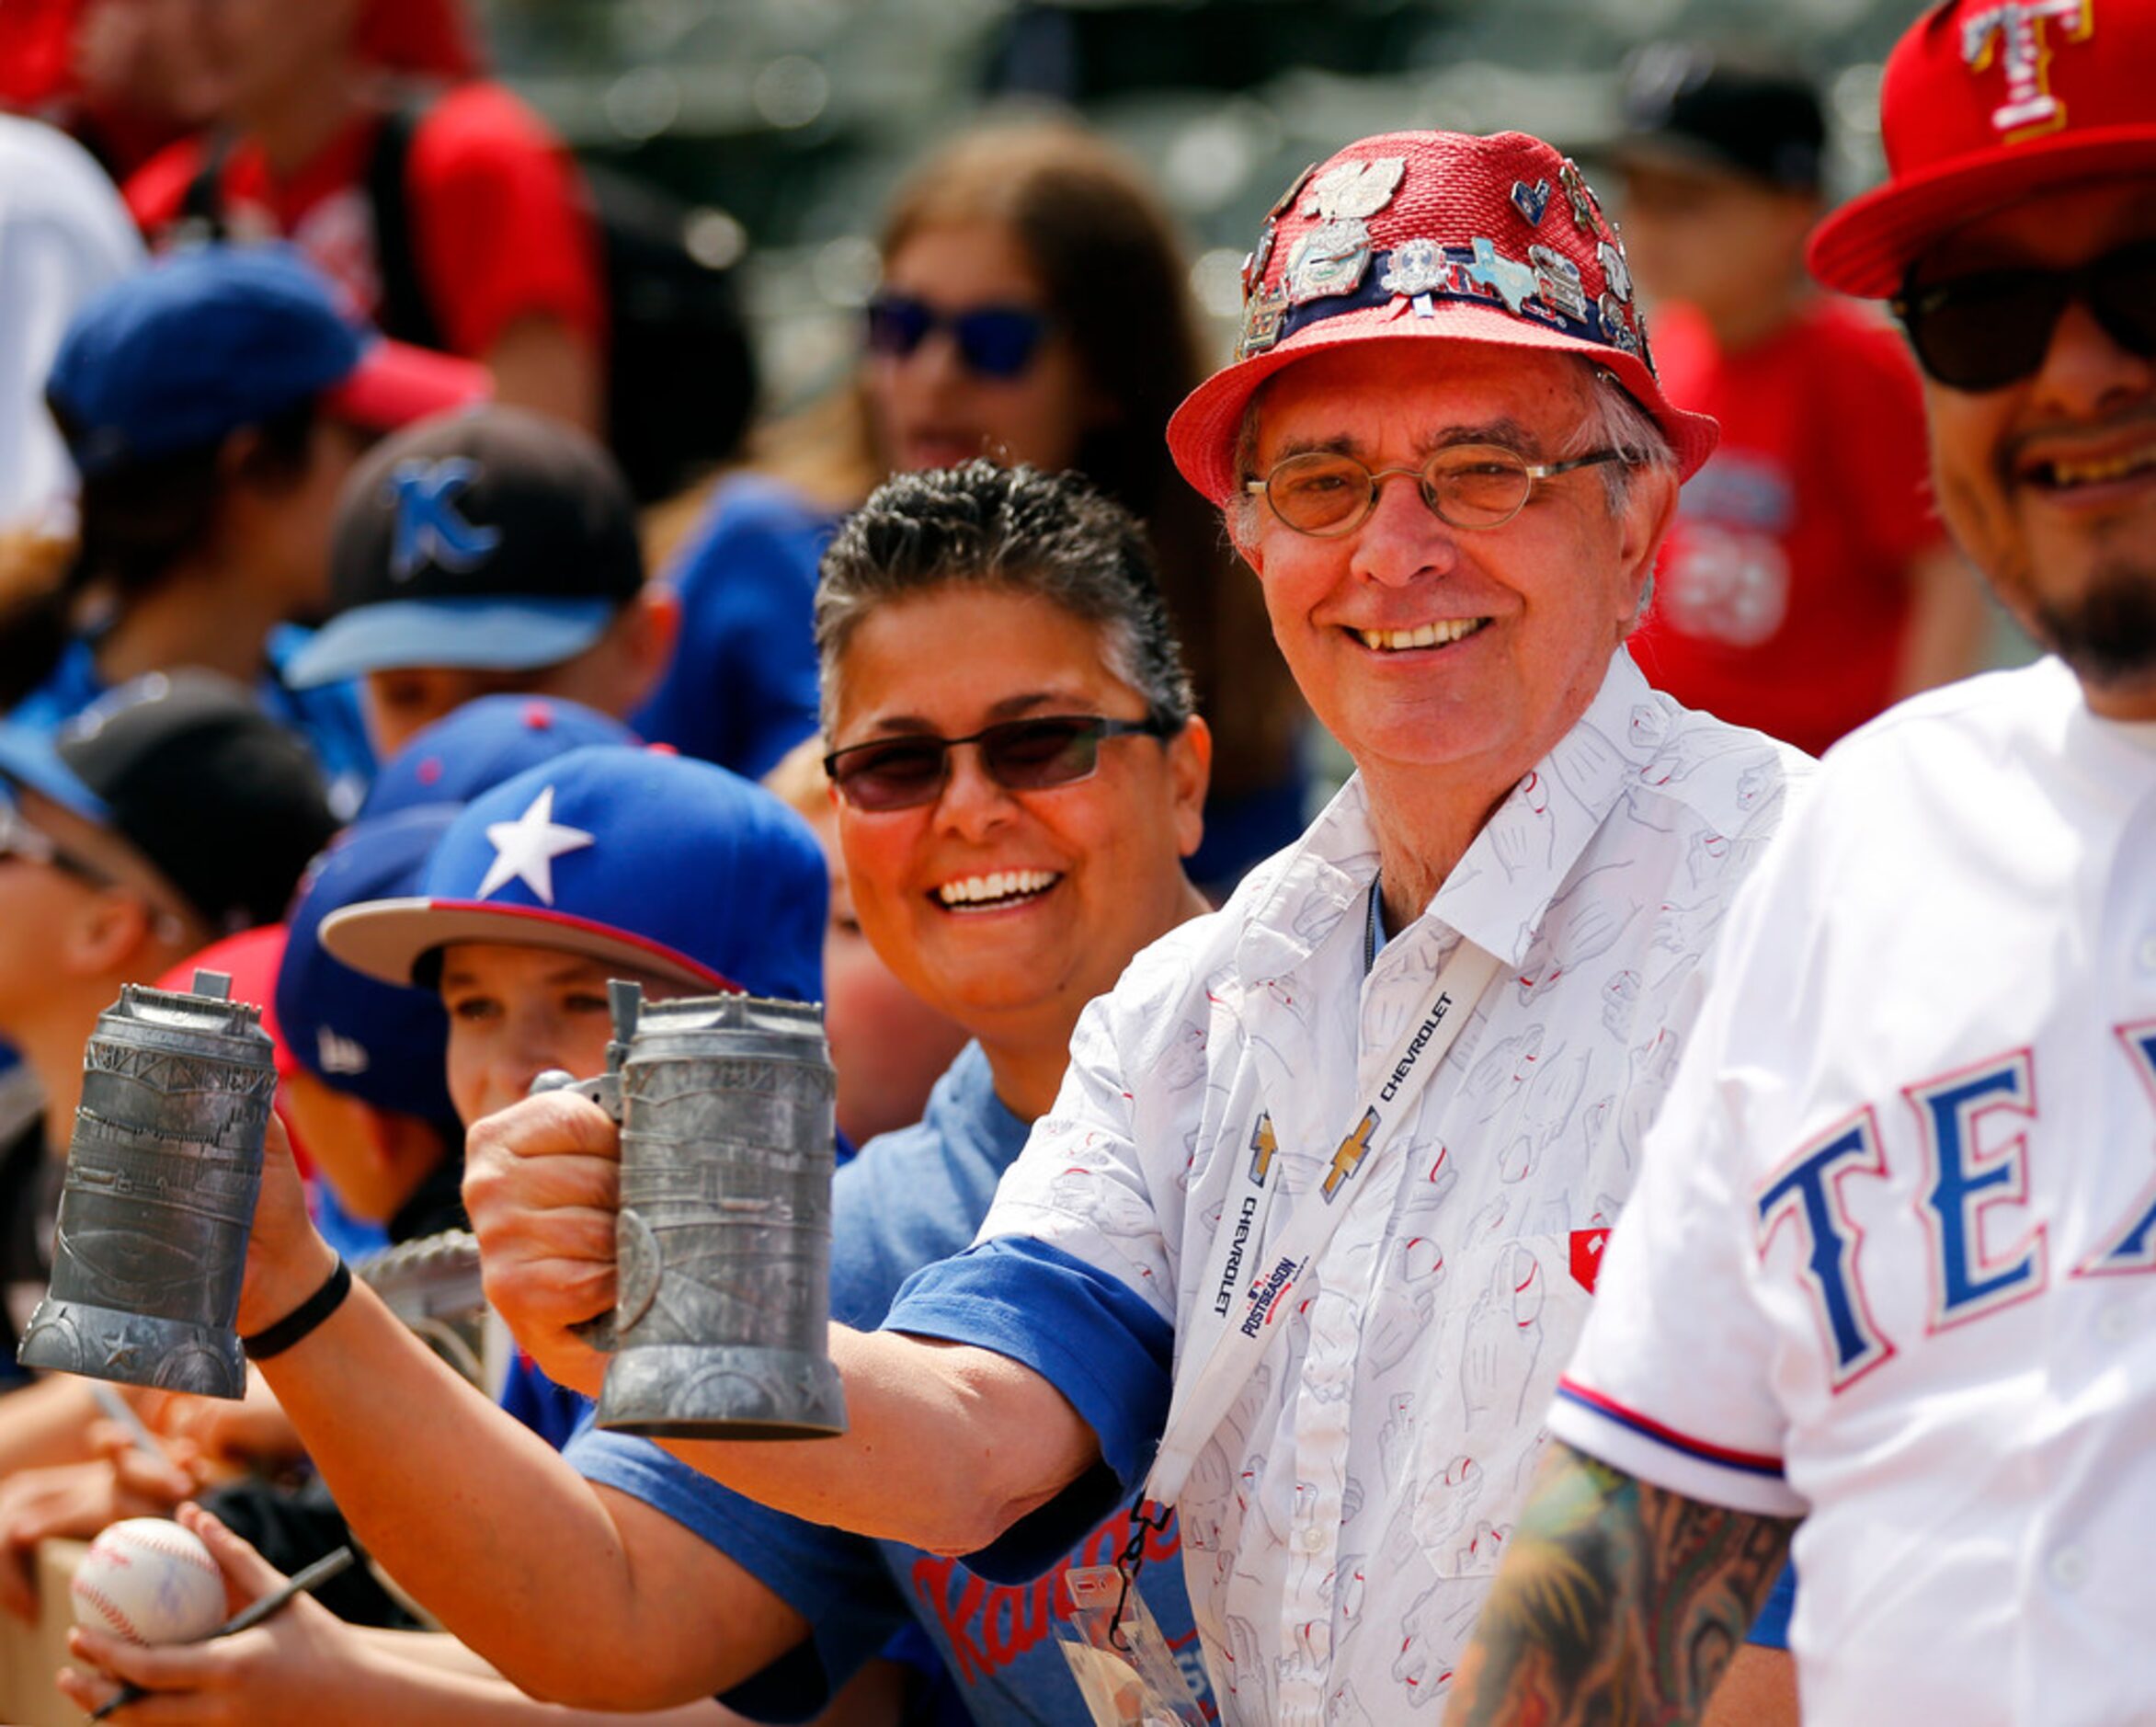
1991, 328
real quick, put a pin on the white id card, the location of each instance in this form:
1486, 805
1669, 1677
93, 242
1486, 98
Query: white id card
1121, 1663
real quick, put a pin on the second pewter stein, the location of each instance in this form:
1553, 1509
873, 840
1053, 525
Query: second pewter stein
722, 1246
159, 1199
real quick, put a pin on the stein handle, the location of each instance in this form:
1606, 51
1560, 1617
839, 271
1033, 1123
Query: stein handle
597, 1331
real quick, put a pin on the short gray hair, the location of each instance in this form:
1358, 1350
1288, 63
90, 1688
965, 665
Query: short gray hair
1012, 530
1615, 420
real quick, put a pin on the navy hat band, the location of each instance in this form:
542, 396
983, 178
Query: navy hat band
1424, 273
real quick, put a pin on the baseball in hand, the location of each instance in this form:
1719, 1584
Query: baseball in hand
149, 1580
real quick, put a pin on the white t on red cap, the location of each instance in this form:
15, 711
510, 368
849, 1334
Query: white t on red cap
1983, 103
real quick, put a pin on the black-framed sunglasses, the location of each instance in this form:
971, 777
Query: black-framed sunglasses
1327, 492
1988, 329
21, 837
1021, 755
995, 341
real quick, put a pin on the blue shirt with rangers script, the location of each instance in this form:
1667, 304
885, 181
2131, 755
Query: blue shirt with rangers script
908, 1199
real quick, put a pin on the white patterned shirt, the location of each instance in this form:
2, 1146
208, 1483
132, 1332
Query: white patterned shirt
1341, 1528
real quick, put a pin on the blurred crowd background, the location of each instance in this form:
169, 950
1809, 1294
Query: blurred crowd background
790, 120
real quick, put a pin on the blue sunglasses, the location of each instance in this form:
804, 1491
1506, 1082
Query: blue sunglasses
995, 341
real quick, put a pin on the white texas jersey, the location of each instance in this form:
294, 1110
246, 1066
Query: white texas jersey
1892, 1265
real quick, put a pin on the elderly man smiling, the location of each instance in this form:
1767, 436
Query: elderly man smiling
1344, 1153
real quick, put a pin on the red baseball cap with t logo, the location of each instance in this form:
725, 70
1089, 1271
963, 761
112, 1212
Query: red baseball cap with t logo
1985, 102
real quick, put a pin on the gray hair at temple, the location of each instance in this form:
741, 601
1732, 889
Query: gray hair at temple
1009, 531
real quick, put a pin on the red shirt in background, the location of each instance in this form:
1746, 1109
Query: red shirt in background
1783, 600
42, 74
502, 228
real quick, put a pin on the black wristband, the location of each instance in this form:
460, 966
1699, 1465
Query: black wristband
274, 1339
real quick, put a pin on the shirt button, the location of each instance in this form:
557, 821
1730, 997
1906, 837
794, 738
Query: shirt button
1313, 1539
2115, 1324
2070, 1568
2146, 953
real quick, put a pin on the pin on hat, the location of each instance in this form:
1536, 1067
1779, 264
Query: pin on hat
1431, 236
499, 540
1984, 103
659, 865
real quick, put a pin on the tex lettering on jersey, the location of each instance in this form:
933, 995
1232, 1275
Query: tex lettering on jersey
2132, 1247
1972, 1140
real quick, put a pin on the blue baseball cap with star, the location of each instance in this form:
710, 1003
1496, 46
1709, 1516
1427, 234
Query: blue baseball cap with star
666, 867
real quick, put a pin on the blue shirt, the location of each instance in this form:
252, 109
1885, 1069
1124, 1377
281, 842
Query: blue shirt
328, 717
910, 1199
741, 690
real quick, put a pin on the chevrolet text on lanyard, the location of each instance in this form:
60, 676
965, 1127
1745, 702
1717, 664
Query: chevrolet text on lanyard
1244, 1305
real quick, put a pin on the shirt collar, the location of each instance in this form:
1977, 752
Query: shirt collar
1498, 894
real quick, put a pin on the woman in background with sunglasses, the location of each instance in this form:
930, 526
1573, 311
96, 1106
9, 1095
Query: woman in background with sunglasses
1035, 307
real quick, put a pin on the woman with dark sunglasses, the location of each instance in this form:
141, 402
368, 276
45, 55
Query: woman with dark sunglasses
1035, 307
1017, 780
1003, 628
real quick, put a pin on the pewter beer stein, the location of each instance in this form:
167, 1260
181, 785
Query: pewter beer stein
723, 1247
162, 1172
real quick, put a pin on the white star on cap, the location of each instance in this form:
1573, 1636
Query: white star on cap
525, 849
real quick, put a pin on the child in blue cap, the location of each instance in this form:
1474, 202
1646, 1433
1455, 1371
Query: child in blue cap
605, 861
212, 404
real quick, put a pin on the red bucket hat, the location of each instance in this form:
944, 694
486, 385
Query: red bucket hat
1984, 102
1416, 235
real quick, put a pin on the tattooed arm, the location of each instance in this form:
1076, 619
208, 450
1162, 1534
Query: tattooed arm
1617, 1601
